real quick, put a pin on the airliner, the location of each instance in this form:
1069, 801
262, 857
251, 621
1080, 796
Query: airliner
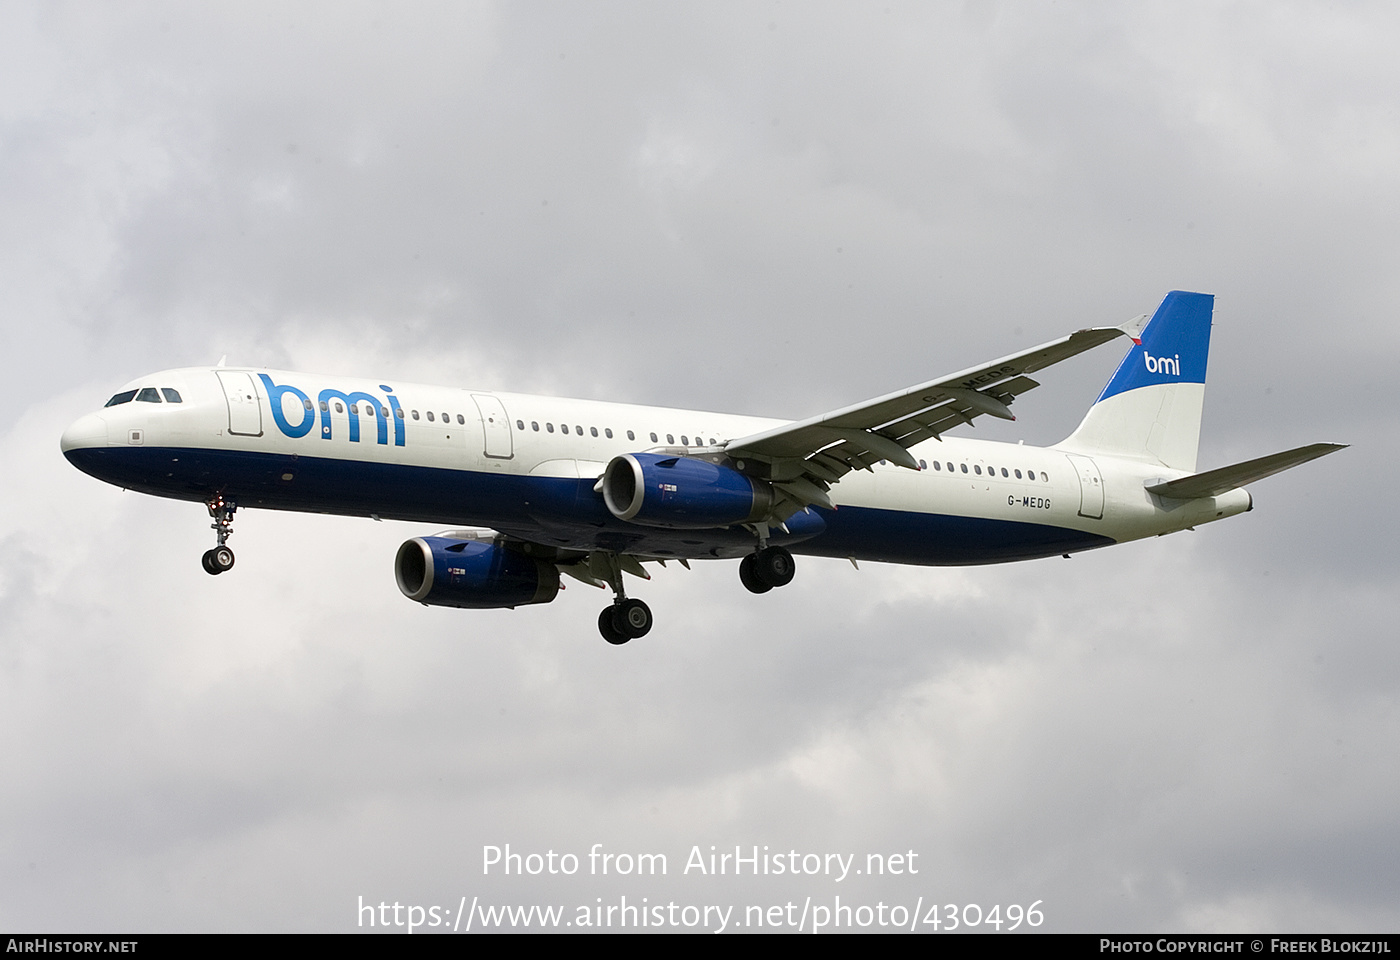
536, 488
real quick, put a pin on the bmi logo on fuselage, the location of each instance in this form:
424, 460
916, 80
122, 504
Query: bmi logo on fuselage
383, 415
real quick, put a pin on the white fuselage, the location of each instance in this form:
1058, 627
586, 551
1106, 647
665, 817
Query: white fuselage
526, 465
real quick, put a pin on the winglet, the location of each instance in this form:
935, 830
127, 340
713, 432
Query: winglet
1134, 327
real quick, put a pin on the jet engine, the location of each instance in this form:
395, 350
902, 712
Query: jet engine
470, 573
683, 493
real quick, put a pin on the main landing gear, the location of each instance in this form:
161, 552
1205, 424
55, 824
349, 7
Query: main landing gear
625, 619
220, 559
766, 568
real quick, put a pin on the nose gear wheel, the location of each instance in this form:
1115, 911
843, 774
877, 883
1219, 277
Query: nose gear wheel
220, 559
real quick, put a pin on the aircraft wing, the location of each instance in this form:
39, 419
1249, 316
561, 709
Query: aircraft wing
803, 459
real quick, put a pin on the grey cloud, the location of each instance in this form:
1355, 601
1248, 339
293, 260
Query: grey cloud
756, 209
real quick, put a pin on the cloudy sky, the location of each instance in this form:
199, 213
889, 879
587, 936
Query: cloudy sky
761, 208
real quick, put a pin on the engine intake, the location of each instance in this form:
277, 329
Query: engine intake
683, 493
468, 573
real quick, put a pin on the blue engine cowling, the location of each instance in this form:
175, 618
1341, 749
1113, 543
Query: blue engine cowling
469, 573
683, 493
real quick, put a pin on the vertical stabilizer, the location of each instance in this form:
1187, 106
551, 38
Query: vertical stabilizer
1151, 409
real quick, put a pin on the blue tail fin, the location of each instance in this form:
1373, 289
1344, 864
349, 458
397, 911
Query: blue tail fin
1151, 408
1173, 347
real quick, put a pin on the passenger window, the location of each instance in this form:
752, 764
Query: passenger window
415, 414
670, 438
173, 396
124, 397
398, 412
446, 418
712, 441
338, 407
1018, 474
936, 465
653, 438
549, 427
593, 431
430, 416
950, 466
607, 431
519, 424
578, 429
684, 441
1044, 478
978, 469
462, 419
307, 402
631, 435
148, 395
535, 425
1003, 472
964, 467
324, 407
384, 412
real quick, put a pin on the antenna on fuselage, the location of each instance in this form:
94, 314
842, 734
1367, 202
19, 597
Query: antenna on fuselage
221, 360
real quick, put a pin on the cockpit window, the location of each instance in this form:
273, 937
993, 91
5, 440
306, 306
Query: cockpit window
148, 395
173, 396
126, 396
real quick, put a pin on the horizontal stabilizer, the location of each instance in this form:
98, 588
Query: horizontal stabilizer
1213, 483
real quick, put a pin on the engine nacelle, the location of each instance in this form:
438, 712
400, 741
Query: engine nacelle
683, 493
469, 573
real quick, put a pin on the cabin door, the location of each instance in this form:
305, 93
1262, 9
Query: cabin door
1090, 487
244, 410
495, 426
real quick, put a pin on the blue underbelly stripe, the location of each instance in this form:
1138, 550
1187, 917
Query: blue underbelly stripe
559, 511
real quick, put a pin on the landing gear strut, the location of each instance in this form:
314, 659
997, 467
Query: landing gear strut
220, 559
767, 568
625, 619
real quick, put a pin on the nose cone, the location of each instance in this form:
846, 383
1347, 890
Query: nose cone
84, 433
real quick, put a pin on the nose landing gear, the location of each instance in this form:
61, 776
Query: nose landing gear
220, 559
